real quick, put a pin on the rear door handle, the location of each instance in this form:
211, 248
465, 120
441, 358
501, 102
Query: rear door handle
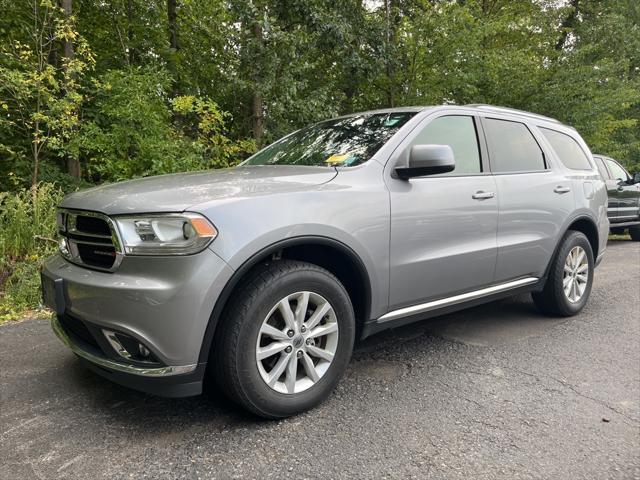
480, 195
561, 189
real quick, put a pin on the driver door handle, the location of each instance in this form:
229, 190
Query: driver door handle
561, 189
481, 195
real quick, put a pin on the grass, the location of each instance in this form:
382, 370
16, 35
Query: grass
27, 233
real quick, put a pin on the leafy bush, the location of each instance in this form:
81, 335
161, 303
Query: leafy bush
133, 128
27, 237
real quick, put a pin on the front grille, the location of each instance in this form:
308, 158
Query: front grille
89, 238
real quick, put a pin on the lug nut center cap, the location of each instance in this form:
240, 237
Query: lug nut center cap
298, 341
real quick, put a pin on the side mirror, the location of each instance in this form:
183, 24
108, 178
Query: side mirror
427, 160
635, 178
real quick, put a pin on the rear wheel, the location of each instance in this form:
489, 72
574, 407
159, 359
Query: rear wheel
286, 339
634, 231
570, 277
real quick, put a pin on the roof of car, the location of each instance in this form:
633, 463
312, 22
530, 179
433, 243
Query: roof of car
479, 106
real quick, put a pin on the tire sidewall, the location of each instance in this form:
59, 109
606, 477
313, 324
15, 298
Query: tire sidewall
264, 399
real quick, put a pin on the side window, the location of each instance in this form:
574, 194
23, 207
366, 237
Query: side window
601, 168
512, 147
617, 172
567, 149
459, 132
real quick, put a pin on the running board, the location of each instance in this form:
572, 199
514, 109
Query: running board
449, 301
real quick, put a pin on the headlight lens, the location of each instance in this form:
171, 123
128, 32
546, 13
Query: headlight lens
165, 234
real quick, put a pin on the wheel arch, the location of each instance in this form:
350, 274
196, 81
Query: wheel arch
331, 254
581, 223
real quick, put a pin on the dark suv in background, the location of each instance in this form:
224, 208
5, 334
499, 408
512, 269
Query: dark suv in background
624, 196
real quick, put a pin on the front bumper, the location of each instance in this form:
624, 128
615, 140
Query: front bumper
163, 303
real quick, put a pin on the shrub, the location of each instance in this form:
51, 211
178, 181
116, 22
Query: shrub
27, 237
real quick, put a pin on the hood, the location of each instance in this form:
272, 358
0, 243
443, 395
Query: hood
178, 192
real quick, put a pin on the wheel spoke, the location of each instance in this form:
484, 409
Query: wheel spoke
292, 372
323, 330
277, 370
273, 332
567, 281
270, 350
320, 353
582, 268
310, 368
318, 315
301, 308
582, 278
568, 269
287, 313
580, 255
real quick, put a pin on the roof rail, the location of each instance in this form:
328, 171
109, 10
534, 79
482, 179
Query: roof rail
513, 110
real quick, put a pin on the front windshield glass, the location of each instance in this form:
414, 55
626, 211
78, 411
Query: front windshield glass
342, 142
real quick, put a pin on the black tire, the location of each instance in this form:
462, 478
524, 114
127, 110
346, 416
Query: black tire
234, 354
634, 231
552, 300
617, 230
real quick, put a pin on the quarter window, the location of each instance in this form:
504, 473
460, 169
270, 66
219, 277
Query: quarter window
617, 172
512, 147
459, 132
567, 149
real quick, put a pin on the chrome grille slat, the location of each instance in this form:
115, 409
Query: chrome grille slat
76, 243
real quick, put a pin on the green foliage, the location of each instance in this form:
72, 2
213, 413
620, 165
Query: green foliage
40, 100
27, 237
132, 128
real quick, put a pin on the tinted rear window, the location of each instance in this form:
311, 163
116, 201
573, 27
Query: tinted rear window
512, 147
567, 149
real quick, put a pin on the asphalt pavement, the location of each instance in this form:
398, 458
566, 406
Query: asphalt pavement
495, 392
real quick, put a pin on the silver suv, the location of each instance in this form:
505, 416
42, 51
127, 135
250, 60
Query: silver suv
262, 276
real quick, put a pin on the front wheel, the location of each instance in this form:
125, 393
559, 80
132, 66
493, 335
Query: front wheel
286, 339
570, 277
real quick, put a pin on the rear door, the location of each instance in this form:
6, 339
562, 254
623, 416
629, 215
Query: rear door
534, 199
625, 193
443, 227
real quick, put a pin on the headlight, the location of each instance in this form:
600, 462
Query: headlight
165, 234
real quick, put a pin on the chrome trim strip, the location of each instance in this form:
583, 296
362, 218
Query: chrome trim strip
115, 344
111, 365
445, 302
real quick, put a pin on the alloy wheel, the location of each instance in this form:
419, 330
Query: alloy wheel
576, 274
297, 342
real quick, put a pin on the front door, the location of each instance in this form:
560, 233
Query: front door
443, 227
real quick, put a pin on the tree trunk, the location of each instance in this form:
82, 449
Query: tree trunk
257, 119
393, 20
174, 45
72, 163
568, 23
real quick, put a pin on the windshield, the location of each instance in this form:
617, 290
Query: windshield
342, 142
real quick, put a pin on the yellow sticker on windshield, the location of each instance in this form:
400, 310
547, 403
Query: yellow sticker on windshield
337, 158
